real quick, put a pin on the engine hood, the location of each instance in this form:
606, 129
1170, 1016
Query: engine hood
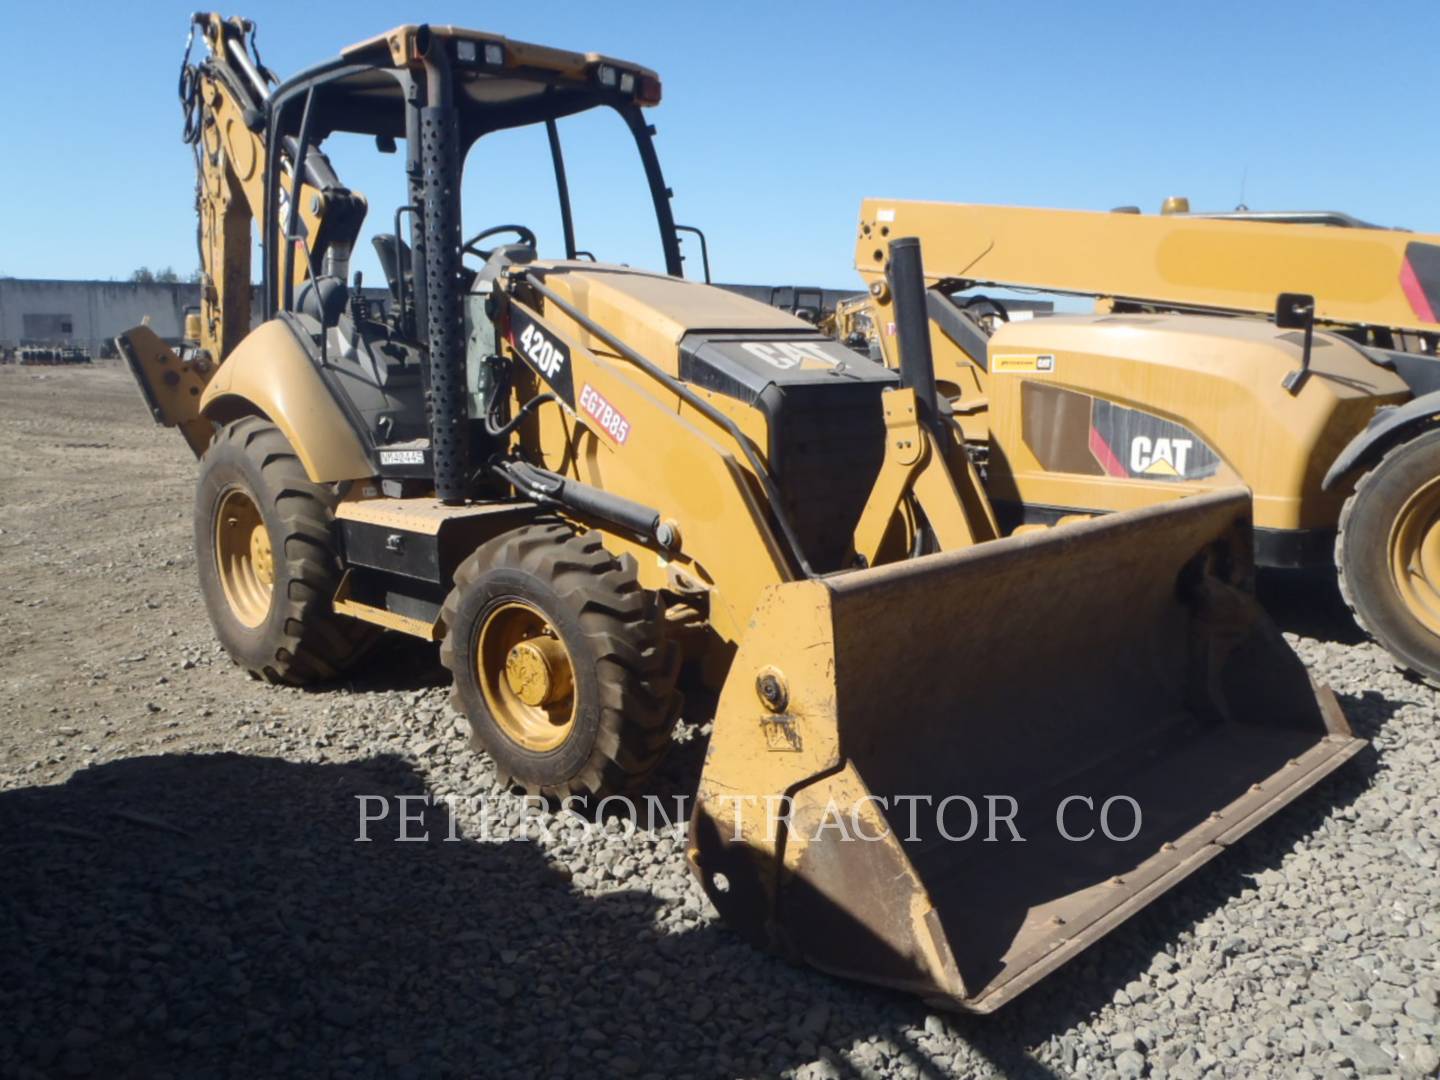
706, 335
659, 307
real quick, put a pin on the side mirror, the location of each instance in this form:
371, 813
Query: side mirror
385, 144
1296, 311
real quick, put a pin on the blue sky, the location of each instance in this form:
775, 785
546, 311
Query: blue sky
777, 119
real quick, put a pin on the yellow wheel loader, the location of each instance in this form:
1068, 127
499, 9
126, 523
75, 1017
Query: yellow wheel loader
567, 472
1290, 352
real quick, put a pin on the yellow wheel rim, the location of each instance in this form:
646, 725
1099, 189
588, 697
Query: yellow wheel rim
243, 557
1415, 555
526, 676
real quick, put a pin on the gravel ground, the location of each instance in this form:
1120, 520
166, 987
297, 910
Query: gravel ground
183, 895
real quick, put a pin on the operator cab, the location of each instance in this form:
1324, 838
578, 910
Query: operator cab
431, 93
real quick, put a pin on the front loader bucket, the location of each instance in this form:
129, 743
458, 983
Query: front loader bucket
1120, 661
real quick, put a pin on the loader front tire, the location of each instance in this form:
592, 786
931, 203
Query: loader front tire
1388, 555
560, 661
265, 552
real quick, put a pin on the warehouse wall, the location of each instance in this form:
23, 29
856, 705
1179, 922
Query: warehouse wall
93, 311
87, 314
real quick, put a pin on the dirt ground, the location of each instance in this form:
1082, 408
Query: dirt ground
98, 610
105, 646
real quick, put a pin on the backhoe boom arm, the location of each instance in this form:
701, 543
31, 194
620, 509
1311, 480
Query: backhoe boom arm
226, 98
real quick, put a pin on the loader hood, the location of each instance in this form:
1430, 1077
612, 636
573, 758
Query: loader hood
712, 338
812, 405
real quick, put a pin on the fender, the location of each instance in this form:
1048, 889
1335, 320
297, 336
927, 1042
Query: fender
270, 374
1419, 412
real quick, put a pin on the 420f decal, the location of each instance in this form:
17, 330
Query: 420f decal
549, 358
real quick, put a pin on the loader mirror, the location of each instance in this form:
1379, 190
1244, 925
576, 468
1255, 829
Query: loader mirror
385, 144
1296, 311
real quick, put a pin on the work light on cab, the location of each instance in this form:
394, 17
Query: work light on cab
490, 53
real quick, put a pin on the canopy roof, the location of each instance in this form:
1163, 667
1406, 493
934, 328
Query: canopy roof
497, 83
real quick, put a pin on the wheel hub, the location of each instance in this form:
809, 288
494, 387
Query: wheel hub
538, 671
243, 557
1415, 555
526, 676
262, 556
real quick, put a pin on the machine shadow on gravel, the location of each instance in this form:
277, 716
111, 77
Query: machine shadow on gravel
214, 915
393, 662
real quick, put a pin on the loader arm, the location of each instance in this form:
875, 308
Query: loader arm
971, 674
726, 473
640, 441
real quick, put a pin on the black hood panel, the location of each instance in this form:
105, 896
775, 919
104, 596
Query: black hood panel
744, 366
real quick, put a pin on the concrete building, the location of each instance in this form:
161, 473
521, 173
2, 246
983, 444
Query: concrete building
84, 314
88, 314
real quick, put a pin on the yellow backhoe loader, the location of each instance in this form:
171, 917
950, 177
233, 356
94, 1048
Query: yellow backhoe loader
1290, 352
567, 472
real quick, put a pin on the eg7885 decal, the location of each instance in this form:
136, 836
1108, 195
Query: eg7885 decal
607, 418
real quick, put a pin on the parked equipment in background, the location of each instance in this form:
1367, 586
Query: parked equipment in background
1290, 352
50, 355
570, 472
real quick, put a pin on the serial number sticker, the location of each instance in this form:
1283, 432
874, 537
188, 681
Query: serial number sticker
402, 457
1028, 365
605, 415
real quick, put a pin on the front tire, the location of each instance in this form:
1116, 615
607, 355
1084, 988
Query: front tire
1388, 555
560, 662
265, 552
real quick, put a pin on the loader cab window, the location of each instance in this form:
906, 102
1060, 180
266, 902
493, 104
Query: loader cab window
346, 108
380, 177
510, 178
609, 193
580, 184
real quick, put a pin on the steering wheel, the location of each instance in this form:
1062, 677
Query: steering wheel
526, 237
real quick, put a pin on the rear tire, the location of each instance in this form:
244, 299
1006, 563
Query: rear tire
1387, 553
265, 552
598, 719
